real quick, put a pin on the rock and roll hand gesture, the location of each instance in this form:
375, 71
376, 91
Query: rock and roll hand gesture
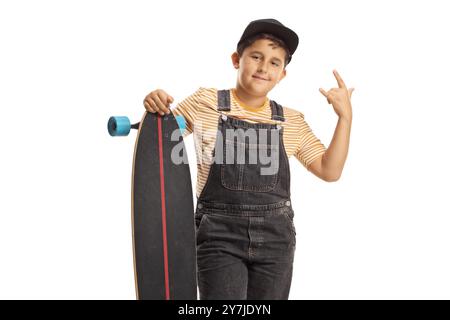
340, 98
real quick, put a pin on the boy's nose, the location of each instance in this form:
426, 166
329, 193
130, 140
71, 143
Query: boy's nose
263, 67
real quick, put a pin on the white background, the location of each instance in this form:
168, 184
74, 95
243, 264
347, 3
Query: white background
380, 232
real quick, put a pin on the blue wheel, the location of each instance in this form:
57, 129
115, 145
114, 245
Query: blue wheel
181, 123
119, 126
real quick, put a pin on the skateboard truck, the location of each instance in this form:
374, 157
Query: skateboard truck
121, 126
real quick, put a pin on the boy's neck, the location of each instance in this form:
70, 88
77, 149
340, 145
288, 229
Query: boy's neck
247, 100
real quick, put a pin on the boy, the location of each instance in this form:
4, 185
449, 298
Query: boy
244, 216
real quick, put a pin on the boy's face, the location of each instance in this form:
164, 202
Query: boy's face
261, 67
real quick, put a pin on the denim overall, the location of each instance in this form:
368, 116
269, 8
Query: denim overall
244, 220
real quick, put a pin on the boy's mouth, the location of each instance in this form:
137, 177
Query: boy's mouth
260, 78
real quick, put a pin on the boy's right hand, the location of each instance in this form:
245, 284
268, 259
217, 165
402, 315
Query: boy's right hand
158, 101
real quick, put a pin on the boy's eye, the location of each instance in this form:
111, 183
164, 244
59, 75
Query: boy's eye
274, 63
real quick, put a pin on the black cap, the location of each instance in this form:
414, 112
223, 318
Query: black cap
275, 28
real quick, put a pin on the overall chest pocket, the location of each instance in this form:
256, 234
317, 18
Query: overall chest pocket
250, 166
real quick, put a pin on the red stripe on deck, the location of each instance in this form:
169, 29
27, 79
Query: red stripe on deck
163, 209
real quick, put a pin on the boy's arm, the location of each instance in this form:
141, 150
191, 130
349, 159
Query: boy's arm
330, 165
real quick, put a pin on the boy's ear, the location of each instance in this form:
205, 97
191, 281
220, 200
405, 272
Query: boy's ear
283, 74
235, 60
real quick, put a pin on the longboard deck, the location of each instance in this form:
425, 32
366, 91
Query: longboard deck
162, 215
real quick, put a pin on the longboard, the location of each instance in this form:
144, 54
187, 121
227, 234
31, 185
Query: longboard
162, 210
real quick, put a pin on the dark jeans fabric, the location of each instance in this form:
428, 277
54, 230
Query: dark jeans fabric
244, 218
245, 252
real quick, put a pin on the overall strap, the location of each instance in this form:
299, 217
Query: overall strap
223, 100
277, 111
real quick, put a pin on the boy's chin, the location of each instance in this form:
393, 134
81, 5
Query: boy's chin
257, 91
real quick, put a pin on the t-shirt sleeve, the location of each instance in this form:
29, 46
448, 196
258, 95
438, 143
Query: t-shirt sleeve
188, 108
309, 147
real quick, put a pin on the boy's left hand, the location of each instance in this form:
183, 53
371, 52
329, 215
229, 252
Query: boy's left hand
340, 97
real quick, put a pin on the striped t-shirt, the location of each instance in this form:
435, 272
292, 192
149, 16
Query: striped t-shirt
201, 116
